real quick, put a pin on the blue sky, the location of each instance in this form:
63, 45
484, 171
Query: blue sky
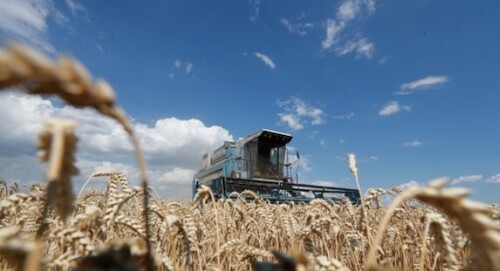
410, 87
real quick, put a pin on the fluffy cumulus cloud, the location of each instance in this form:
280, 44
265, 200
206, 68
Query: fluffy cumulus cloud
296, 113
424, 83
179, 142
350, 9
393, 107
266, 60
173, 147
292, 120
21, 116
341, 43
467, 179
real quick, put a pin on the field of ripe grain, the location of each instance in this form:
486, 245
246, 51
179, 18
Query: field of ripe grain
123, 228
106, 229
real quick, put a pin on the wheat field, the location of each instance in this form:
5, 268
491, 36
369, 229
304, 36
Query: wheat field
47, 227
106, 228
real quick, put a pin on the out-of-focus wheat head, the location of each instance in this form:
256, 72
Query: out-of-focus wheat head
66, 78
354, 171
56, 147
14, 246
24, 68
352, 164
436, 224
474, 218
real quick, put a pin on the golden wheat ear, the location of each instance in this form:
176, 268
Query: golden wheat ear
26, 69
57, 145
473, 218
354, 172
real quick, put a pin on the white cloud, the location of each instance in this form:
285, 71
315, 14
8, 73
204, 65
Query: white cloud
393, 107
424, 83
266, 60
333, 30
324, 183
407, 185
362, 48
178, 175
467, 179
291, 120
27, 21
350, 9
299, 28
297, 113
255, 10
75, 7
494, 179
413, 143
21, 117
287, 25
169, 137
177, 63
173, 183
347, 11
348, 116
185, 66
173, 147
189, 67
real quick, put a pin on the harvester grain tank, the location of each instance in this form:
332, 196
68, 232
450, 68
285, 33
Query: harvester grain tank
260, 163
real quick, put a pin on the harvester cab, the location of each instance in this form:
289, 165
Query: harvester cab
260, 163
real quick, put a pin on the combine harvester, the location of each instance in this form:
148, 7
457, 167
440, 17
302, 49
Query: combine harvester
259, 163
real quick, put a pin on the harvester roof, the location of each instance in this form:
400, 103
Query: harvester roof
270, 135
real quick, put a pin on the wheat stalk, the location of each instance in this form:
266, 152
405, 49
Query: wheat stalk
69, 80
354, 171
472, 217
437, 225
57, 144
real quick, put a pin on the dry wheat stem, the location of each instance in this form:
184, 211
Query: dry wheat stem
354, 171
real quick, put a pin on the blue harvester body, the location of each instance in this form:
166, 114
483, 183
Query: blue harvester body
259, 162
